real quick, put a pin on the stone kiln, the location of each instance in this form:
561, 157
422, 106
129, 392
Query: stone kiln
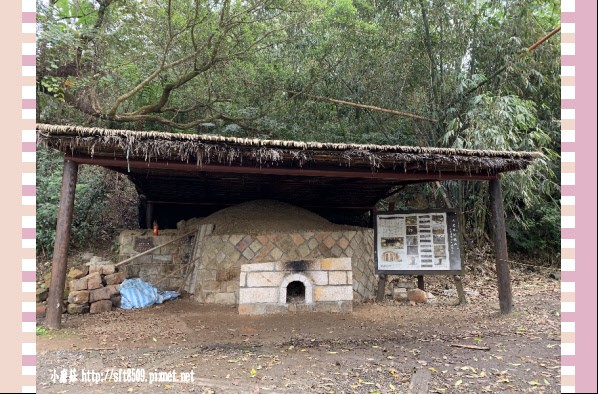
321, 285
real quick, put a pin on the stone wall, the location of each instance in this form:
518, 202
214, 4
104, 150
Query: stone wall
223, 255
158, 264
326, 284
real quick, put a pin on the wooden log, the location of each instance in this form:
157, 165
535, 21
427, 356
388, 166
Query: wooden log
149, 215
189, 271
154, 248
61, 244
203, 232
505, 296
470, 346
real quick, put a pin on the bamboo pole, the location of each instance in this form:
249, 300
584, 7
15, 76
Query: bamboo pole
521, 55
154, 248
371, 107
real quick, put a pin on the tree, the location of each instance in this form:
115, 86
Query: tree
160, 61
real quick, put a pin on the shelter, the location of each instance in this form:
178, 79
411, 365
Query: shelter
211, 172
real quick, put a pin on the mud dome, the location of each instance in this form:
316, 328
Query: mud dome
255, 232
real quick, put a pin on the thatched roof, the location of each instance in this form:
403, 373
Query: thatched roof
189, 175
205, 149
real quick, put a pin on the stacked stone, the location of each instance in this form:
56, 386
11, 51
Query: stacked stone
400, 290
42, 291
98, 291
407, 291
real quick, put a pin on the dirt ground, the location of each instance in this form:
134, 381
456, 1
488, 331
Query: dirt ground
387, 347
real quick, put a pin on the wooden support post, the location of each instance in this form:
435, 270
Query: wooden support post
460, 291
149, 215
500, 248
382, 277
420, 283
381, 287
61, 244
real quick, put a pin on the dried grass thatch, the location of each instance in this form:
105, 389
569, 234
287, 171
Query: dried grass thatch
204, 149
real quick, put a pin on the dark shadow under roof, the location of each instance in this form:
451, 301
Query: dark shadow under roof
218, 171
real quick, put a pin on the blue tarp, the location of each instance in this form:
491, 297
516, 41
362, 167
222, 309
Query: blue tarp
136, 293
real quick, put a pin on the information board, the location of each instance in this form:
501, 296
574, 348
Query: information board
417, 242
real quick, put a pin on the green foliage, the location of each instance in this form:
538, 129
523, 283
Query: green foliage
40, 331
90, 201
455, 61
539, 232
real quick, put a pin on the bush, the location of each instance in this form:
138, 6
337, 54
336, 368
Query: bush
539, 232
94, 195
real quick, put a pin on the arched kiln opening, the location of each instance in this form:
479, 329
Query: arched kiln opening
295, 292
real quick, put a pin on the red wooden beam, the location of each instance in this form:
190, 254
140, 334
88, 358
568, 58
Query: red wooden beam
233, 204
313, 172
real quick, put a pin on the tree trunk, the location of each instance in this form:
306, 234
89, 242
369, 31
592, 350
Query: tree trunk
500, 248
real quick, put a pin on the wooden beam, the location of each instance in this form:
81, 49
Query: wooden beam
340, 172
233, 204
500, 248
61, 244
149, 214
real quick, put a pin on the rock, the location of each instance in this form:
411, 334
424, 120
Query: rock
104, 269
78, 284
94, 281
65, 295
472, 293
412, 303
430, 296
40, 310
79, 297
94, 260
75, 309
450, 292
103, 293
83, 268
86, 257
407, 285
116, 278
41, 294
115, 301
114, 289
74, 273
101, 306
399, 294
48, 277
416, 295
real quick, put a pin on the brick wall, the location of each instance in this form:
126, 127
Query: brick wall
327, 286
223, 256
158, 264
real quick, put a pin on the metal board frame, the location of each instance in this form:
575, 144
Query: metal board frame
456, 256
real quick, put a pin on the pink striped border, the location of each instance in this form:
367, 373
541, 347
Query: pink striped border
578, 195
567, 195
571, 144
28, 269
